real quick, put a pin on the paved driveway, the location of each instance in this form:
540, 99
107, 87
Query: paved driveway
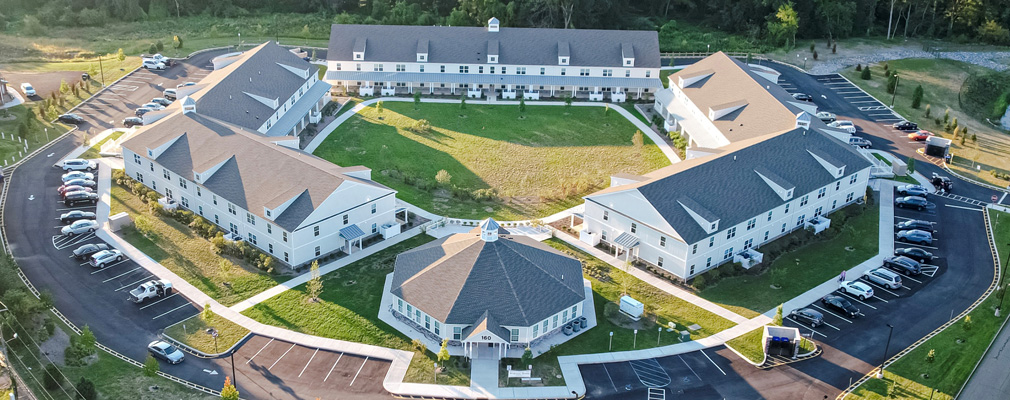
43, 82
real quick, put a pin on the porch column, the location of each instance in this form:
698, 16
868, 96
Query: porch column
431, 88
552, 90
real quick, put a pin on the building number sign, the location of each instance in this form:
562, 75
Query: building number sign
485, 337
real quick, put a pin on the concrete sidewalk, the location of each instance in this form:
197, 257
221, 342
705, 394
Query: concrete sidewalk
668, 151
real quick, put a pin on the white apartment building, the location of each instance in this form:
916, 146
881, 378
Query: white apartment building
694, 215
223, 152
494, 61
720, 100
487, 288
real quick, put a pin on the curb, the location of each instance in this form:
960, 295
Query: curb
198, 353
742, 357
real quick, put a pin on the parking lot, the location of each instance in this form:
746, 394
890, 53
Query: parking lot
316, 373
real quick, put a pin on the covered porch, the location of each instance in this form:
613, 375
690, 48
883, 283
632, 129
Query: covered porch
627, 244
351, 234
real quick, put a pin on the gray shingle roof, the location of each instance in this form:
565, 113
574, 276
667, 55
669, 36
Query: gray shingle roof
497, 79
258, 72
516, 46
515, 280
727, 185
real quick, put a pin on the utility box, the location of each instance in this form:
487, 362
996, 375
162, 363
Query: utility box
632, 308
899, 168
118, 221
390, 230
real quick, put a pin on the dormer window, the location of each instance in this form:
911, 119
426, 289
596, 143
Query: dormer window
628, 62
359, 49
563, 60
713, 226
422, 57
492, 59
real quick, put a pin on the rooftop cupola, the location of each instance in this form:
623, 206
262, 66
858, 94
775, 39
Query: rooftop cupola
489, 230
493, 24
803, 119
188, 105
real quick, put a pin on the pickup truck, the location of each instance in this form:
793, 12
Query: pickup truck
150, 290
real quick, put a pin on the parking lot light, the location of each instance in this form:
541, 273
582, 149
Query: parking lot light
658, 335
611, 347
895, 92
880, 372
634, 342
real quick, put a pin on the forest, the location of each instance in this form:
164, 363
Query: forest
758, 23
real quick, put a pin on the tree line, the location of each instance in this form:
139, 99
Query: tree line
779, 22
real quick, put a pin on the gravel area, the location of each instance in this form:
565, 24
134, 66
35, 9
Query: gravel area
992, 60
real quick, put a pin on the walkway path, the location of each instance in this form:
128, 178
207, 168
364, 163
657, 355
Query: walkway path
668, 151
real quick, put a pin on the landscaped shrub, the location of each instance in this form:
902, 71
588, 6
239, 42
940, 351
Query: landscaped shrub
699, 282
865, 75
53, 378
330, 109
917, 96
859, 67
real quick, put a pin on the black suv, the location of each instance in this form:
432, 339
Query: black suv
915, 224
130, 122
85, 252
914, 253
808, 316
903, 265
839, 303
75, 198
906, 126
915, 202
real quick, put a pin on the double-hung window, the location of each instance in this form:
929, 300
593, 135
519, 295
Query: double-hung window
250, 219
584, 72
231, 209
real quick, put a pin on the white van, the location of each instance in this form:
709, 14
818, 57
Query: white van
884, 277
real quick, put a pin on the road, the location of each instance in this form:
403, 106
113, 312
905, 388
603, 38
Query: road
97, 298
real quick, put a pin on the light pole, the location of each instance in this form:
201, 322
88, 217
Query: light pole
239, 41
611, 347
880, 373
100, 67
1003, 293
895, 92
434, 372
804, 63
708, 48
634, 342
234, 379
658, 335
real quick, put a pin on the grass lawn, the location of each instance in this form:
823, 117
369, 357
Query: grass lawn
941, 82
348, 309
663, 74
953, 361
178, 248
193, 333
10, 150
536, 163
806, 268
92, 152
749, 345
903, 178
609, 284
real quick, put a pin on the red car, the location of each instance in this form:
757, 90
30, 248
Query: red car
920, 135
63, 190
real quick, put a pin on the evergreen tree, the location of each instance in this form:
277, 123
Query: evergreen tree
86, 390
229, 392
865, 75
917, 96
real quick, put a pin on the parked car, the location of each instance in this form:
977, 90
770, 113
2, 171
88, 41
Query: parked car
74, 198
915, 202
942, 183
65, 189
141, 111
915, 224
152, 64
915, 236
920, 135
808, 316
27, 89
153, 106
165, 351
151, 290
884, 277
162, 101
75, 215
131, 122
840, 304
903, 265
906, 126
802, 97
915, 253
913, 190
77, 164
84, 252
169, 94
826, 117
857, 288
859, 142
70, 118
76, 173
103, 258
184, 84
847, 126
88, 183
79, 227
159, 58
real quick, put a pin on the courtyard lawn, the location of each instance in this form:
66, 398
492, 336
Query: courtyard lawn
954, 360
92, 152
226, 279
193, 333
749, 345
609, 284
941, 82
13, 150
805, 267
520, 165
348, 309
903, 178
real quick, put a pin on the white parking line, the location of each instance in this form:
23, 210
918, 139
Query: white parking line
856, 299
829, 312
171, 311
904, 218
689, 367
713, 362
334, 366
258, 352
805, 326
282, 356
863, 101
964, 208
921, 245
362, 367
159, 301
874, 284
108, 267
118, 276
913, 280
134, 283
307, 364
